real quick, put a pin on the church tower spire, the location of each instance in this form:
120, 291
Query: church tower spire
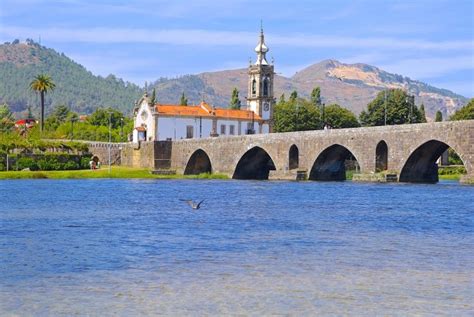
260, 86
261, 50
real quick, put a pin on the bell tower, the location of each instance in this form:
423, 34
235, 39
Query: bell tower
260, 87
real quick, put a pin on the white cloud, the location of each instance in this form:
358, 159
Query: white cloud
367, 58
225, 38
424, 68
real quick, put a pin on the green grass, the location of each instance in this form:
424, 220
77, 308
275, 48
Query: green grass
454, 177
350, 174
453, 172
116, 172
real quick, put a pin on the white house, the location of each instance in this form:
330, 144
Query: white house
154, 122
172, 122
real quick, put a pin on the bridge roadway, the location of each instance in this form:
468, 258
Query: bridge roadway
410, 151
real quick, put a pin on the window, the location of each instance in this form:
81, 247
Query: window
232, 129
250, 128
189, 132
223, 129
254, 87
141, 135
265, 87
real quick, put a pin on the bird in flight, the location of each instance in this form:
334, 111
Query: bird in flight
192, 203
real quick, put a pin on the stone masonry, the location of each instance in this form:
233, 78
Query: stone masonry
403, 141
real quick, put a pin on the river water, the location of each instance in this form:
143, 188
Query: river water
131, 247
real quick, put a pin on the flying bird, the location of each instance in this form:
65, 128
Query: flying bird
192, 203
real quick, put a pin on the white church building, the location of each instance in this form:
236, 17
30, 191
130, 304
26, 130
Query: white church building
156, 122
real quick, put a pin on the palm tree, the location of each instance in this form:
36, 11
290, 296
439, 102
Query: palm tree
42, 84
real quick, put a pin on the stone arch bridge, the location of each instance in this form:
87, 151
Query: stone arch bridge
407, 152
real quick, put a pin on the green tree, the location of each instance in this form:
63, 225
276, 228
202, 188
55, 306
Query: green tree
297, 115
235, 101
338, 117
422, 114
438, 116
316, 96
6, 118
102, 116
282, 98
153, 97
30, 113
42, 83
61, 112
183, 101
465, 113
398, 107
293, 96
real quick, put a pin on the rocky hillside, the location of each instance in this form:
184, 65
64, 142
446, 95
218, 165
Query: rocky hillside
76, 87
350, 85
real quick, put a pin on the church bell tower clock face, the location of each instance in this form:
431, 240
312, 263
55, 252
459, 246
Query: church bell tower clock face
266, 106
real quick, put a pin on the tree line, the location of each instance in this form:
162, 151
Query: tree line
389, 107
63, 123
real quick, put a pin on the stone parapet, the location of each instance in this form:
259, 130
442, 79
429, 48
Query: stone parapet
411, 152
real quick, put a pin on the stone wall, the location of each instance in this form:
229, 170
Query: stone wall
402, 141
101, 150
153, 155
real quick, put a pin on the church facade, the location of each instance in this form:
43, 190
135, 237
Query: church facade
155, 122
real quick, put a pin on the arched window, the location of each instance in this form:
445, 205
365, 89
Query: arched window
254, 87
265, 87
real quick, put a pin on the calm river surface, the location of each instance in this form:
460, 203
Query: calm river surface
131, 247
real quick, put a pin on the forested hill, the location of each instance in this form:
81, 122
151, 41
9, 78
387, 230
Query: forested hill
352, 86
76, 87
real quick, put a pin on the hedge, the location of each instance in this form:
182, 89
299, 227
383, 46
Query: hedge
46, 162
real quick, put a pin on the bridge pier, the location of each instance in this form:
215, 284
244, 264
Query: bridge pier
407, 152
467, 179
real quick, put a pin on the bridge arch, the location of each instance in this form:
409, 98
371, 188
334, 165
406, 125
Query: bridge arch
381, 157
330, 164
256, 163
293, 157
198, 163
421, 166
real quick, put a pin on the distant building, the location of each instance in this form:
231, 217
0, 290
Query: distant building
155, 122
25, 123
83, 118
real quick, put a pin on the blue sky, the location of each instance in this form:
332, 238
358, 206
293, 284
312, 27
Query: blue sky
431, 41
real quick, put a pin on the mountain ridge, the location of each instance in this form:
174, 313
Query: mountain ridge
350, 85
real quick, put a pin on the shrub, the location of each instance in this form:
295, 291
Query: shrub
45, 164
71, 165
26, 162
85, 162
452, 170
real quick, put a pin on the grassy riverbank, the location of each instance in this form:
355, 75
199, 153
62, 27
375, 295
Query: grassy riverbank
116, 172
454, 177
453, 172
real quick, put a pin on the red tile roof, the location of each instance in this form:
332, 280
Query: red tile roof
25, 121
205, 110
